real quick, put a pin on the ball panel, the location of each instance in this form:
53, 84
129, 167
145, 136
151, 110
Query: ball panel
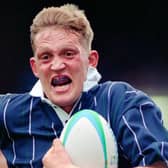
90, 141
91, 155
111, 144
96, 122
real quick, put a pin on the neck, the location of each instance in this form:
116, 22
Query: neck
67, 109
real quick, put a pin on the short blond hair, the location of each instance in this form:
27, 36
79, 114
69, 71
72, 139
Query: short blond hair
67, 16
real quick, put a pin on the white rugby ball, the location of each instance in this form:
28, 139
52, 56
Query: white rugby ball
89, 141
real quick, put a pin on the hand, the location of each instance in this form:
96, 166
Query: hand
3, 162
56, 156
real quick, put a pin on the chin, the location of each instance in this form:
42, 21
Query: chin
63, 102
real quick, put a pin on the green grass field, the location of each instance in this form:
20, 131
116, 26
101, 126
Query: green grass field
162, 102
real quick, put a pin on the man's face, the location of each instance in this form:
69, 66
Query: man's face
61, 64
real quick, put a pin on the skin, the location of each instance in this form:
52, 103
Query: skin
3, 162
58, 154
57, 53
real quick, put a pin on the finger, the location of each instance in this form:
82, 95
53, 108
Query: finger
3, 162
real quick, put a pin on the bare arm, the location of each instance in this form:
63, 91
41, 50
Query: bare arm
57, 157
3, 162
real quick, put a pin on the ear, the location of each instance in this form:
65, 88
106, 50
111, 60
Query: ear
93, 58
33, 66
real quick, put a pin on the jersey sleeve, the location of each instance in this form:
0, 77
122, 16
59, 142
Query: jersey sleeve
3, 101
140, 132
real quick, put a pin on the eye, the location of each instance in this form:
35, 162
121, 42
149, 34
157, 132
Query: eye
69, 54
45, 57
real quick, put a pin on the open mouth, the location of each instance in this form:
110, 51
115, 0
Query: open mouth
60, 80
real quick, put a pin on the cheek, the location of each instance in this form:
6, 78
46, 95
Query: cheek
43, 71
81, 70
85, 67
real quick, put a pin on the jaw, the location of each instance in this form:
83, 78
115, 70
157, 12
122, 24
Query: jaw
61, 95
64, 96
63, 89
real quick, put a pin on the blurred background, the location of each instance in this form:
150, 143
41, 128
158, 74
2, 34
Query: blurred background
131, 37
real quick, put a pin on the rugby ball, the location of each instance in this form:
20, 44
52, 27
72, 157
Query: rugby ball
89, 141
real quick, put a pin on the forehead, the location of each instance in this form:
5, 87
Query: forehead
56, 36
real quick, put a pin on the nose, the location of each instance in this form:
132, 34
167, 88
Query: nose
57, 65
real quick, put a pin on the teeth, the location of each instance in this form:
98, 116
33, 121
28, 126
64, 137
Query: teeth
60, 80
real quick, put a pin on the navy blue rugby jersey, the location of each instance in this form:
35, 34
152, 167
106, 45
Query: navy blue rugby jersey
28, 125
